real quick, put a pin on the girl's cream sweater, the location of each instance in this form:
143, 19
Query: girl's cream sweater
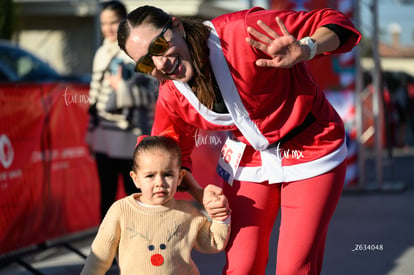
154, 240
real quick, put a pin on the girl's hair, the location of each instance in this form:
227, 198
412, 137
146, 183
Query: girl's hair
114, 6
150, 143
203, 83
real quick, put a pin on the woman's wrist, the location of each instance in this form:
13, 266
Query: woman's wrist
196, 192
193, 188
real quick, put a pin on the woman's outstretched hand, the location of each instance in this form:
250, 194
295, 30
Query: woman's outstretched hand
285, 50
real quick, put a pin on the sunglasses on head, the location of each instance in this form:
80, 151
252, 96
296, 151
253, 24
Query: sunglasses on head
159, 46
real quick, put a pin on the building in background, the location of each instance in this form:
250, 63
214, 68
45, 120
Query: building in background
394, 55
65, 33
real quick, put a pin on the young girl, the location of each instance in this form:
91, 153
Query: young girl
151, 232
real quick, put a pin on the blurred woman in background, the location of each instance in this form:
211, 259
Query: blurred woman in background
121, 102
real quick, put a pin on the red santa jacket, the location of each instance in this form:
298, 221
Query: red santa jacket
265, 104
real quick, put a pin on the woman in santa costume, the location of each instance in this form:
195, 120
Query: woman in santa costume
246, 73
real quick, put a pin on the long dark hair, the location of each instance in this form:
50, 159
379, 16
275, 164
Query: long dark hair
203, 83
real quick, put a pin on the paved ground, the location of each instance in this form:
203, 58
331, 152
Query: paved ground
372, 233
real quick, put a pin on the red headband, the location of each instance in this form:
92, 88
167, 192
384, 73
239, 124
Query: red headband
139, 139
165, 134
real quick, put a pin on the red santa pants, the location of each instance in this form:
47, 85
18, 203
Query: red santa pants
306, 209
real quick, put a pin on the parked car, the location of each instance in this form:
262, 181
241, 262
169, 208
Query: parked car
19, 65
48, 180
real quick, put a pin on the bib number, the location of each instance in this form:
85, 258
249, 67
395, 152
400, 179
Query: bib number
229, 160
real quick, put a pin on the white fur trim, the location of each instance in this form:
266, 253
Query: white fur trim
273, 171
231, 95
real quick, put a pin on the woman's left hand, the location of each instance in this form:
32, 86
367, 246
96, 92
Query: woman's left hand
285, 50
216, 203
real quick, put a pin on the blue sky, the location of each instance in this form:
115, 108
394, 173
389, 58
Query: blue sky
390, 13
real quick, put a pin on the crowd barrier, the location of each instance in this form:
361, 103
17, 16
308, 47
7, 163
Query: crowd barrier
49, 186
48, 179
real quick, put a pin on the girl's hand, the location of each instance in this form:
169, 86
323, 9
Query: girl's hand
215, 203
285, 50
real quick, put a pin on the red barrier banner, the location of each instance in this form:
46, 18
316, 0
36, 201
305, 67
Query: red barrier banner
48, 181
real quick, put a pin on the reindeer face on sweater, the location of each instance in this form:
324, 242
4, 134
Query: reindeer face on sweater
157, 248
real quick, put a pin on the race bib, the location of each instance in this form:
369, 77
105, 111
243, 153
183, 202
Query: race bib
229, 160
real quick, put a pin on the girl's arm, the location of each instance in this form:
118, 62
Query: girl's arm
212, 197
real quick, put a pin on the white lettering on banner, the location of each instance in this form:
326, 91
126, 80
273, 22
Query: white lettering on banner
75, 98
10, 175
206, 139
3, 176
60, 165
6, 159
75, 152
37, 156
45, 155
66, 153
6, 151
15, 174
